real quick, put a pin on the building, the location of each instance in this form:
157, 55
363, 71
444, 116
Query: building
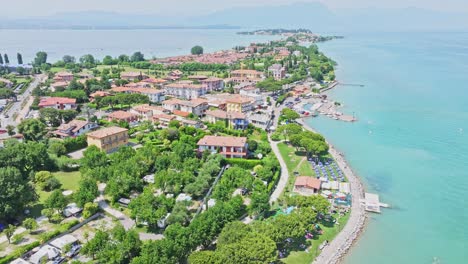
132, 76
196, 106
74, 128
191, 123
235, 120
185, 90
175, 75
301, 90
154, 95
229, 147
61, 242
277, 71
44, 254
307, 185
239, 104
163, 119
72, 209
171, 104
60, 103
122, 116
63, 77
213, 84
146, 112
93, 96
155, 82
249, 74
109, 138
260, 120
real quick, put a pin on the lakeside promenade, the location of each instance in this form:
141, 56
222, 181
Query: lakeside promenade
339, 246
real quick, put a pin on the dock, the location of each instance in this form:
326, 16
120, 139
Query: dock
372, 203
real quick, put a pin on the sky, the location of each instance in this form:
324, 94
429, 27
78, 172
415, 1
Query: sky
34, 8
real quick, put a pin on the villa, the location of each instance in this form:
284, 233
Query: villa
213, 84
229, 147
63, 77
146, 112
307, 185
185, 90
122, 116
60, 103
239, 104
74, 128
277, 71
109, 138
236, 120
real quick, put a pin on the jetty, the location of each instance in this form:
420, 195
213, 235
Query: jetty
372, 203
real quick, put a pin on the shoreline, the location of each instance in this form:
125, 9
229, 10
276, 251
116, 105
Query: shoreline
348, 236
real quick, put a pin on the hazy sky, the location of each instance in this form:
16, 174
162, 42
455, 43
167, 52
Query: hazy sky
26, 8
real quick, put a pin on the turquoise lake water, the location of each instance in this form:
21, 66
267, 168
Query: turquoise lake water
410, 144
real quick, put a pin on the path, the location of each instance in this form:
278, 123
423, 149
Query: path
339, 246
126, 221
284, 176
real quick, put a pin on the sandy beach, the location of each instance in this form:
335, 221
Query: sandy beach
339, 246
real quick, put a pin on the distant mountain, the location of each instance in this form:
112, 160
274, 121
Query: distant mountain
314, 16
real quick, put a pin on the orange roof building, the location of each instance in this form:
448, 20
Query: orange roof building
307, 185
108, 139
229, 147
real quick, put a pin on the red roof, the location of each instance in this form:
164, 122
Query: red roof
222, 141
122, 115
49, 101
181, 113
308, 182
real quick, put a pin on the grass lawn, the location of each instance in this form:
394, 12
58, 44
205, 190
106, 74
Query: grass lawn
69, 181
329, 232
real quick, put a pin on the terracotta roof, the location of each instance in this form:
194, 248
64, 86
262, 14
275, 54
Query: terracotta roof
198, 77
308, 182
147, 108
163, 116
211, 79
105, 132
221, 141
132, 74
154, 80
121, 89
74, 124
247, 72
185, 86
59, 84
147, 91
121, 115
100, 93
56, 100
240, 99
172, 101
194, 102
181, 113
63, 74
224, 114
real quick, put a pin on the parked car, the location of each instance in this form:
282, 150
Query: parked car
59, 260
73, 251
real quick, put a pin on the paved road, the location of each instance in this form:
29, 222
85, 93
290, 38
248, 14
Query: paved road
283, 181
126, 221
16, 107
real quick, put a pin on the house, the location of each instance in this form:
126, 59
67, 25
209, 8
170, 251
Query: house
277, 71
254, 93
229, 147
138, 85
154, 81
307, 185
74, 128
239, 103
109, 138
8, 83
63, 77
175, 75
59, 85
197, 77
61, 242
185, 90
72, 210
246, 76
98, 94
146, 112
20, 261
124, 202
122, 116
171, 104
132, 76
196, 106
181, 114
191, 123
44, 254
282, 54
259, 120
300, 90
60, 103
163, 119
213, 84
236, 120
154, 95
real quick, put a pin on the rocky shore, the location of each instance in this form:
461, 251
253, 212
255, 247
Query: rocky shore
339, 246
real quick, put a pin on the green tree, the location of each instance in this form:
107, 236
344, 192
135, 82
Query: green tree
10, 130
149, 208
197, 50
6, 93
254, 248
205, 257
290, 114
56, 201
5, 56
97, 244
32, 129
87, 61
57, 148
87, 191
233, 232
108, 60
1, 59
90, 209
137, 56
30, 224
41, 58
20, 58
93, 157
9, 231
68, 59
16, 193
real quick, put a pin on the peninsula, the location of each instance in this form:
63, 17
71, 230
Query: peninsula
201, 158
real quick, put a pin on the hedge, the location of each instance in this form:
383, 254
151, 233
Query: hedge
244, 163
19, 252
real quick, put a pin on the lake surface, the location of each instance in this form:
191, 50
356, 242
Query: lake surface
99, 43
410, 144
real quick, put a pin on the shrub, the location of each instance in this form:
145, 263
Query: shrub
16, 239
19, 252
244, 163
276, 136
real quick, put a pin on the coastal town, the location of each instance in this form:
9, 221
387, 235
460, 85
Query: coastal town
184, 159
